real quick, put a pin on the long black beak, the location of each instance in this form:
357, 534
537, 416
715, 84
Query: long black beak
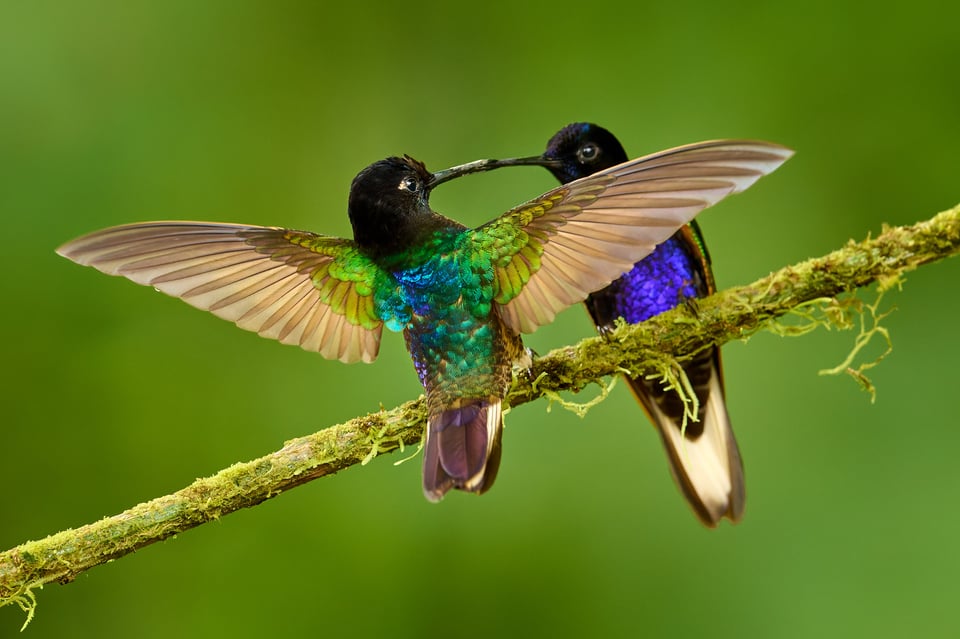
478, 166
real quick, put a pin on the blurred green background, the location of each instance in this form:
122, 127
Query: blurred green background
117, 112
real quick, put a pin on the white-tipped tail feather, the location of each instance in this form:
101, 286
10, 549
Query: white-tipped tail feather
705, 464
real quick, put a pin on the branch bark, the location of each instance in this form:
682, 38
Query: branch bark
649, 348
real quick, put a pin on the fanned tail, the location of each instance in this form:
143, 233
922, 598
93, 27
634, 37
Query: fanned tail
704, 459
462, 448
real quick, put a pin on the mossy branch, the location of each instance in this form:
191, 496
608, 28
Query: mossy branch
650, 348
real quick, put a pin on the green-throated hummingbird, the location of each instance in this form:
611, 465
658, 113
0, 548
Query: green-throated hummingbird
460, 296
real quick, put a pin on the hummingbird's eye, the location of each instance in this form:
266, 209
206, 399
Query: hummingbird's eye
589, 152
409, 184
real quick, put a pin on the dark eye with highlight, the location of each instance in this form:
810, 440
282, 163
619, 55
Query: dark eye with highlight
588, 153
409, 184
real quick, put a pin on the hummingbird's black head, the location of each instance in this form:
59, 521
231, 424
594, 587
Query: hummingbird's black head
389, 200
581, 150
388, 203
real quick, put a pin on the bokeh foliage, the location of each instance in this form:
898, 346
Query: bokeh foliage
263, 112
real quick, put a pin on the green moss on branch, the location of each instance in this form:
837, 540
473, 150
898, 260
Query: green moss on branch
649, 348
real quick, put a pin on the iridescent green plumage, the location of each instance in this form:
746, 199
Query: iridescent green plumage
460, 296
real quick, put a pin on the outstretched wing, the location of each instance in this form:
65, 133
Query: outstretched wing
300, 288
554, 251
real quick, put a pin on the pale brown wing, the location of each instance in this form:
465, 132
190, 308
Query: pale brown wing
294, 286
554, 251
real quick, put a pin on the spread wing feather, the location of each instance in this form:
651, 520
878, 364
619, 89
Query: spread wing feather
297, 287
554, 251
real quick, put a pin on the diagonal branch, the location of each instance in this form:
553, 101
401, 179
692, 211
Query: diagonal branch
731, 314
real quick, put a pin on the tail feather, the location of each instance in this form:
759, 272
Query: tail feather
704, 458
462, 448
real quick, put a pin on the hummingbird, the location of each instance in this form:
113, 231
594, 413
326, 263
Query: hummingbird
460, 296
703, 454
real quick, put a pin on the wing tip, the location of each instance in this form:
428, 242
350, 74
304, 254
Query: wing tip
73, 251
